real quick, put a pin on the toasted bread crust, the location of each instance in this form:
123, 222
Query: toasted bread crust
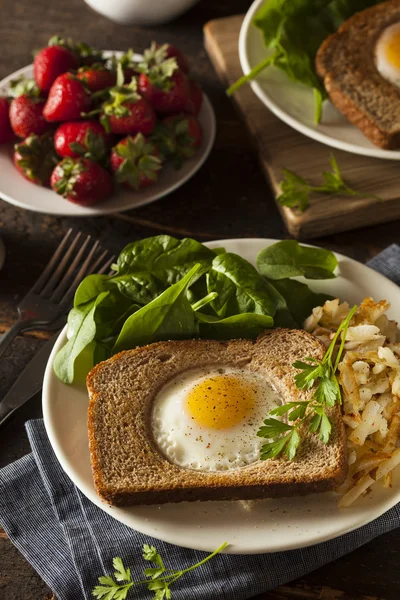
135, 472
346, 63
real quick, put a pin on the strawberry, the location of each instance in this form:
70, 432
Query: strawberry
85, 54
6, 132
181, 59
51, 62
156, 54
186, 133
136, 162
161, 82
129, 74
165, 88
128, 65
126, 111
35, 158
195, 99
26, 109
81, 138
67, 100
97, 77
81, 181
164, 139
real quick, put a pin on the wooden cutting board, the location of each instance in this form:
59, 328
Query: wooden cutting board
278, 146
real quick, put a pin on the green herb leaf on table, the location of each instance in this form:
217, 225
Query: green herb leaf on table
158, 579
150, 553
286, 437
296, 191
114, 590
121, 574
289, 259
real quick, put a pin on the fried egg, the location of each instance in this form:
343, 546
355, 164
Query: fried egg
387, 54
207, 419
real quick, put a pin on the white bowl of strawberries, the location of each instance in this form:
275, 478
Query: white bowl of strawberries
105, 132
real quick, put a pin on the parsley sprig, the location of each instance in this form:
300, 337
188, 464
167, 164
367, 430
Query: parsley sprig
296, 190
320, 375
159, 579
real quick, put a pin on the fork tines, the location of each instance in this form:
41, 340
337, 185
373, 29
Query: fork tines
75, 257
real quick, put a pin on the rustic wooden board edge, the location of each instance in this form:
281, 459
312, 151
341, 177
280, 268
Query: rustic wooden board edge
350, 213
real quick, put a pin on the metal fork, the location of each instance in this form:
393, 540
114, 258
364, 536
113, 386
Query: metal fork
51, 296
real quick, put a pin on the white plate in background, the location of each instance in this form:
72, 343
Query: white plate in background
294, 103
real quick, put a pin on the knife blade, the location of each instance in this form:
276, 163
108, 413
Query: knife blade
28, 383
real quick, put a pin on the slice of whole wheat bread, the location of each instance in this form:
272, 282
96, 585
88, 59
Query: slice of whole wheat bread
129, 469
346, 63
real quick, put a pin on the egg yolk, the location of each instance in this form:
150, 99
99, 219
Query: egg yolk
220, 402
393, 49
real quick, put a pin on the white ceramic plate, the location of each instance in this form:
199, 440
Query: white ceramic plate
293, 103
20, 192
272, 525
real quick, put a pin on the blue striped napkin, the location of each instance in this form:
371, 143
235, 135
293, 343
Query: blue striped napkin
70, 541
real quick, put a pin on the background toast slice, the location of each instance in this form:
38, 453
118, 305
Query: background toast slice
129, 469
346, 63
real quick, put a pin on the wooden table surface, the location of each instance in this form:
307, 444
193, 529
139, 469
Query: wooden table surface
227, 198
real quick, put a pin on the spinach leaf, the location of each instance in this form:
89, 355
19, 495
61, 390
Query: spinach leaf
293, 30
239, 286
81, 334
169, 316
198, 289
245, 325
101, 351
91, 327
300, 300
283, 316
289, 259
111, 313
90, 288
148, 267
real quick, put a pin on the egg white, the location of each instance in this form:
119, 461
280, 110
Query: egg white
384, 64
188, 444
